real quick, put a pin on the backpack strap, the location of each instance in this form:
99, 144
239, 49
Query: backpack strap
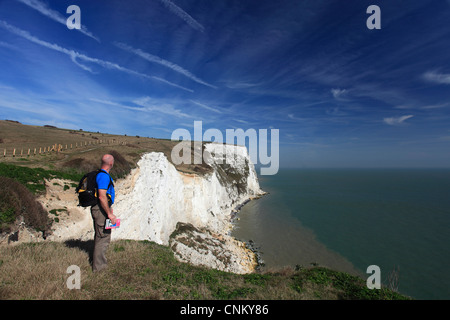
109, 185
110, 179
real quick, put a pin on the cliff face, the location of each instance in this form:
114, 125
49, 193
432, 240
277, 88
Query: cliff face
156, 196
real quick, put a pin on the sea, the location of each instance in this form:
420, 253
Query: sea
350, 219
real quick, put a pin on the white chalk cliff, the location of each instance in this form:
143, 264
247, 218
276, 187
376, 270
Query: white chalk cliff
156, 197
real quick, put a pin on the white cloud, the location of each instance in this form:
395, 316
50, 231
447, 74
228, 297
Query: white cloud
115, 104
436, 106
396, 120
294, 117
168, 64
425, 107
50, 107
435, 77
75, 55
337, 93
147, 105
172, 84
240, 84
206, 107
54, 15
7, 45
152, 105
183, 15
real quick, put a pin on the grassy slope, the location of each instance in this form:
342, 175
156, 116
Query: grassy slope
38, 270
19, 136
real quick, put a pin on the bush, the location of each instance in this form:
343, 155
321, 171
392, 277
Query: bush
121, 165
17, 201
80, 165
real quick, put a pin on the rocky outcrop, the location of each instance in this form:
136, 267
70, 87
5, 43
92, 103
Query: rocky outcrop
200, 247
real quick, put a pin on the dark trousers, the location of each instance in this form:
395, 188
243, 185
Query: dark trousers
102, 238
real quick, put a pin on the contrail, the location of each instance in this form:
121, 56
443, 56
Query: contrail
183, 15
54, 15
75, 55
168, 64
206, 107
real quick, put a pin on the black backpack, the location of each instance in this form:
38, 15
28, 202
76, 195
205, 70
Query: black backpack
87, 189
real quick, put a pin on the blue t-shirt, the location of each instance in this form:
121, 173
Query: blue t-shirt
104, 182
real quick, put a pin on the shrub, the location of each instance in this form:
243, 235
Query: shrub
17, 201
121, 165
80, 165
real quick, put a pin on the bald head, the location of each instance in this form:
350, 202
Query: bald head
107, 162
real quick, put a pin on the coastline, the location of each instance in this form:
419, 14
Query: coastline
279, 240
250, 244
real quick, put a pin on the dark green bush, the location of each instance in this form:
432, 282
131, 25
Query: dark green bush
18, 201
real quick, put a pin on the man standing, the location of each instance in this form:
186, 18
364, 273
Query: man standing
102, 211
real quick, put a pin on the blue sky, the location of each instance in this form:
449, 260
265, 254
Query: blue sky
340, 94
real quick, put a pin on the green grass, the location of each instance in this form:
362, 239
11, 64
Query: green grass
33, 178
7, 217
146, 270
346, 286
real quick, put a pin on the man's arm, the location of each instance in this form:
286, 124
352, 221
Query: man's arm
103, 198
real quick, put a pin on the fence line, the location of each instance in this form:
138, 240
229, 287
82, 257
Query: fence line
20, 152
